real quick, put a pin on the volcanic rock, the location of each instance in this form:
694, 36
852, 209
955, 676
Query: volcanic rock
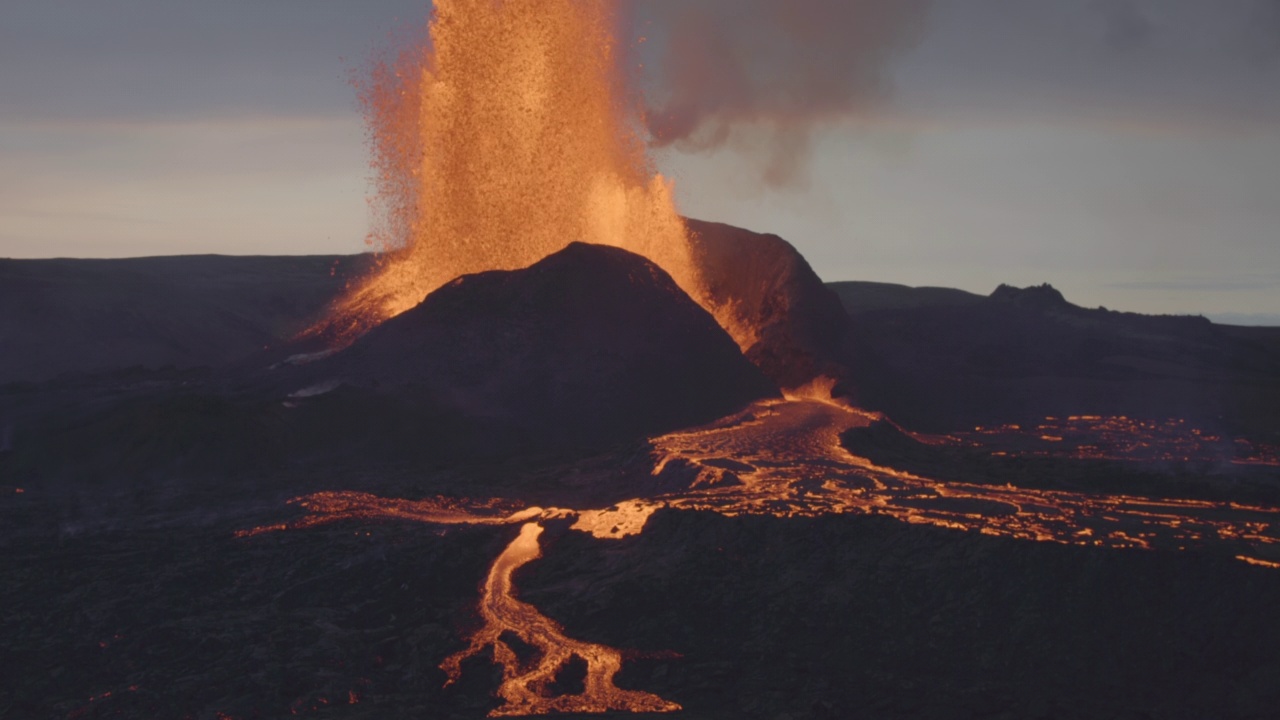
801, 328
589, 345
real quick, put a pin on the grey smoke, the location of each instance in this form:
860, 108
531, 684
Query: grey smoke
780, 68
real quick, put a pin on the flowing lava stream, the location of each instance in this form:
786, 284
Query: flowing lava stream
525, 689
781, 458
787, 461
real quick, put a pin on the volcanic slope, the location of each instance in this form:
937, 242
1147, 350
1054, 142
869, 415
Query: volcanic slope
799, 326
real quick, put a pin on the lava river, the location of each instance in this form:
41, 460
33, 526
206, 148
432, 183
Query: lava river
781, 458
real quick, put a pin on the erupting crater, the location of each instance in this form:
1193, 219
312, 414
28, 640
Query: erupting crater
508, 137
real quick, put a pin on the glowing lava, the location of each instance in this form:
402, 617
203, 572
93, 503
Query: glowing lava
783, 458
525, 688
509, 138
787, 460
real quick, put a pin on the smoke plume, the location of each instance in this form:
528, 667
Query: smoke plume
760, 74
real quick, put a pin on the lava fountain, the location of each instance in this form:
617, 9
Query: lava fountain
506, 139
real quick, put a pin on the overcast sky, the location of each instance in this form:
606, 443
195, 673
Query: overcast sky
1127, 151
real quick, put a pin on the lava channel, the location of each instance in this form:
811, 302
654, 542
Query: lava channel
525, 688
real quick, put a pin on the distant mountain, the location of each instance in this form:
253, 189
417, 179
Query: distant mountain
931, 357
944, 359
66, 315
1246, 319
861, 296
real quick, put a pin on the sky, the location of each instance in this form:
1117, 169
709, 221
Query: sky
1126, 151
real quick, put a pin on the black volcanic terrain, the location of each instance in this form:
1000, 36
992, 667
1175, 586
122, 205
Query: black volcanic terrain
1052, 513
589, 347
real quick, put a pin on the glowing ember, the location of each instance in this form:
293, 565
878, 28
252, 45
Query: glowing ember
507, 140
1099, 437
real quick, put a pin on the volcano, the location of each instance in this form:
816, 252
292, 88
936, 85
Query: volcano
589, 345
688, 536
497, 472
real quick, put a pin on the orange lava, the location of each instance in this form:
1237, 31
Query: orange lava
787, 461
507, 139
525, 688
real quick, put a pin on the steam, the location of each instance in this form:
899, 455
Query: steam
759, 75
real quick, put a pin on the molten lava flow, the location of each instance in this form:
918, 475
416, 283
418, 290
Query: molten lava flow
507, 140
524, 689
784, 458
788, 461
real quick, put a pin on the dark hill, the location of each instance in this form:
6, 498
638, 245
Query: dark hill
802, 329
942, 359
589, 344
